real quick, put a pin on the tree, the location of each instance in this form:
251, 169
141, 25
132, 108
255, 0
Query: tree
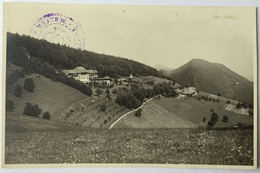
103, 107
114, 91
46, 115
128, 100
17, 90
99, 91
138, 112
32, 110
29, 85
107, 91
9, 105
225, 119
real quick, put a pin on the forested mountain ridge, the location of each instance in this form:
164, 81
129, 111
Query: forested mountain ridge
62, 57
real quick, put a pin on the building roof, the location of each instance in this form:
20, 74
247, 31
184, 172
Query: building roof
189, 90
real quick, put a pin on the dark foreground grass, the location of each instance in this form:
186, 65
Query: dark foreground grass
173, 146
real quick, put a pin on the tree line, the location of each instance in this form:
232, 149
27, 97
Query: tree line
62, 57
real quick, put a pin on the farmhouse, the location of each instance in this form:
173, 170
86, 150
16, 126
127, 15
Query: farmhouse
103, 81
81, 74
189, 91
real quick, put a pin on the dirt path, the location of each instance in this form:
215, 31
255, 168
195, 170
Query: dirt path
111, 126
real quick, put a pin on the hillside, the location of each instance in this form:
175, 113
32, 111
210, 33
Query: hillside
62, 57
51, 96
214, 78
182, 113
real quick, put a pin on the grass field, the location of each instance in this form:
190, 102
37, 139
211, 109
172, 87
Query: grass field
181, 113
49, 95
172, 146
67, 104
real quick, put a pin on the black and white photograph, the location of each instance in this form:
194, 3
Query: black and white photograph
164, 86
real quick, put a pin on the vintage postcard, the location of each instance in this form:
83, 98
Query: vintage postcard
124, 85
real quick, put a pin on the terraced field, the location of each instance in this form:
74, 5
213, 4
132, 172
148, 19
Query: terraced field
87, 113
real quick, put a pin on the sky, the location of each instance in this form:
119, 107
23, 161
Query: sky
166, 35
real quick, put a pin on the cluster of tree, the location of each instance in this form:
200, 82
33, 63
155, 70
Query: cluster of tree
9, 105
12, 78
32, 110
213, 120
62, 57
134, 97
128, 100
35, 111
244, 105
29, 85
206, 98
165, 89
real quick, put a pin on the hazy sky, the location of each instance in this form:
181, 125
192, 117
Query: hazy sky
170, 36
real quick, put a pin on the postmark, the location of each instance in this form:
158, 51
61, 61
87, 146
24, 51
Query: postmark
58, 28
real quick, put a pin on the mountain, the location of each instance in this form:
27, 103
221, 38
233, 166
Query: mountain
214, 78
162, 67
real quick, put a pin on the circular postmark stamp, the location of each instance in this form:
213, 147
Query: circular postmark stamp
57, 28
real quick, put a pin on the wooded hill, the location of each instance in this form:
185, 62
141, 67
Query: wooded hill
62, 57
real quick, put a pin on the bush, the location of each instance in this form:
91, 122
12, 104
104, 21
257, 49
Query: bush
225, 119
107, 91
46, 115
29, 85
99, 91
32, 110
228, 101
138, 112
203, 119
17, 90
9, 105
114, 91
103, 107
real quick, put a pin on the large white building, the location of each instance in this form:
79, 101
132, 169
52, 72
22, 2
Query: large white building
81, 74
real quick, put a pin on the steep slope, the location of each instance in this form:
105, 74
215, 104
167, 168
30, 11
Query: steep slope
51, 96
214, 78
62, 57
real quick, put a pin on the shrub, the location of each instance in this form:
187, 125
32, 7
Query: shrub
228, 101
107, 91
9, 105
250, 112
138, 113
103, 107
29, 85
203, 119
99, 91
46, 115
211, 110
17, 90
32, 110
225, 119
105, 121
114, 91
